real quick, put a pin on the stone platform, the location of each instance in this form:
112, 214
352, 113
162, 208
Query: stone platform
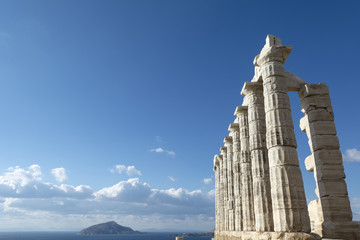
252, 235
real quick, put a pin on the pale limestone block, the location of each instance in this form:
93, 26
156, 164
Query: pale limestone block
328, 156
320, 114
332, 188
275, 84
256, 113
258, 141
272, 69
304, 123
330, 172
279, 117
280, 136
277, 101
310, 163
257, 127
315, 215
254, 99
313, 89
294, 83
322, 128
320, 142
336, 209
314, 102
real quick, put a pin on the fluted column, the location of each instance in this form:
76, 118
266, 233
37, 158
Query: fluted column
230, 203
224, 187
234, 133
217, 192
287, 189
245, 168
253, 91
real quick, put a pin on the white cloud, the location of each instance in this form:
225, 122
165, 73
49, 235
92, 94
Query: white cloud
355, 207
158, 150
59, 174
352, 155
207, 180
161, 150
25, 196
129, 170
27, 183
171, 178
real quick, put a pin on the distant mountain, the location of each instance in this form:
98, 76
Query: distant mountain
108, 228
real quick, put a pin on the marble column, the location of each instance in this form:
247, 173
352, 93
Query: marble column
217, 192
245, 169
253, 92
234, 133
230, 185
330, 214
287, 189
225, 212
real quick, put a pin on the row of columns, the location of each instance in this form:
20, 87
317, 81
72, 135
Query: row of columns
259, 186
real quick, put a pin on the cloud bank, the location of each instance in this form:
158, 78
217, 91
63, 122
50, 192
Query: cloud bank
24, 195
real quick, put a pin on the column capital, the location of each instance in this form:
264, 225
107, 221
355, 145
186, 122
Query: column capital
223, 149
252, 87
273, 51
233, 127
228, 140
240, 109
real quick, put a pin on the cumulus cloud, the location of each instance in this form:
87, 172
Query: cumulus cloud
129, 170
171, 178
24, 195
207, 180
161, 150
59, 174
352, 155
27, 183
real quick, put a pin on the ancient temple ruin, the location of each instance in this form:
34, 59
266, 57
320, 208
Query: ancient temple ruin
259, 187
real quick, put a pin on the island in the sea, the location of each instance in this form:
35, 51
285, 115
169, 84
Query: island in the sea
108, 228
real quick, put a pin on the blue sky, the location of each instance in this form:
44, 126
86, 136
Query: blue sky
113, 110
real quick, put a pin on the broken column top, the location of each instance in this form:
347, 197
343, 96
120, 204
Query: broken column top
273, 50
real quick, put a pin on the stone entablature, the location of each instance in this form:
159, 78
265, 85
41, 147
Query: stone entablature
259, 187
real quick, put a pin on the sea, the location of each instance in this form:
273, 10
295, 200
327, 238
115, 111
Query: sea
75, 236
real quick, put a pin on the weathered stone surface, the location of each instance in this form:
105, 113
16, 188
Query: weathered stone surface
319, 142
265, 236
313, 102
259, 159
280, 136
247, 214
259, 187
287, 190
313, 89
